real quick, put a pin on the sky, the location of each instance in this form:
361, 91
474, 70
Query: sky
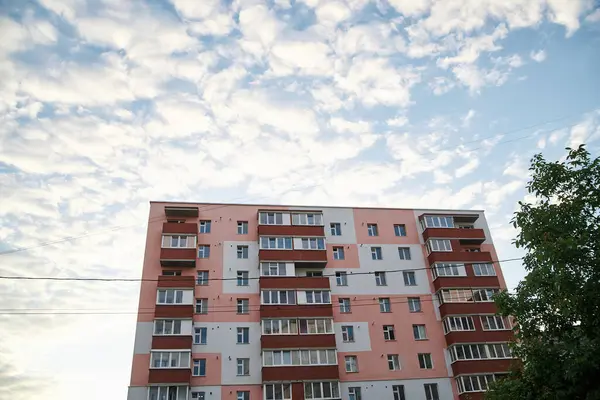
108, 104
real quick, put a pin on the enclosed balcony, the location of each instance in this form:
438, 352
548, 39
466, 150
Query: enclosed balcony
467, 235
183, 227
301, 373
178, 257
183, 211
169, 375
293, 282
466, 257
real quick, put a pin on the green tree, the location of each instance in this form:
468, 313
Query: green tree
557, 306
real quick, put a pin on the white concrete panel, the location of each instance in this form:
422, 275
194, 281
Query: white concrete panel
391, 261
137, 393
210, 392
413, 388
222, 338
287, 219
301, 297
448, 362
362, 339
297, 243
143, 337
188, 296
343, 216
232, 264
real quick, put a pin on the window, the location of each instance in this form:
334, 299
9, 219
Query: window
202, 278
279, 327
380, 279
484, 270
204, 226
454, 324
198, 395
281, 243
338, 253
344, 305
307, 219
163, 327
242, 227
270, 218
475, 383
167, 392
243, 395
201, 306
466, 295
448, 269
388, 332
351, 364
376, 253
484, 295
171, 273
316, 326
393, 362
179, 241
419, 332
243, 335
203, 251
438, 245
273, 269
242, 278
170, 359
348, 333
318, 297
314, 274
169, 296
354, 393
243, 366
321, 390
414, 304
400, 229
299, 357
425, 361
409, 278
398, 391
372, 230
479, 351
439, 222
200, 334
384, 304
404, 253
313, 243
493, 323
278, 297
431, 391
341, 278
278, 391
242, 252
243, 306
199, 367
335, 228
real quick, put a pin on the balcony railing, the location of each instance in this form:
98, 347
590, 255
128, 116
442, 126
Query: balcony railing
313, 256
178, 257
174, 211
293, 282
460, 256
291, 230
302, 373
454, 233
184, 227
169, 375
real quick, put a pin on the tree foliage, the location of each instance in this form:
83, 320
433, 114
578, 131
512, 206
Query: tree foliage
557, 306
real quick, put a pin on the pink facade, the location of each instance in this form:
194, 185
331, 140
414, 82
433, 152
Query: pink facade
381, 272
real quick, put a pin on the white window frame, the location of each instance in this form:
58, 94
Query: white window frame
376, 253
283, 326
431, 391
163, 392
242, 227
243, 365
204, 226
318, 296
394, 362
205, 253
425, 360
335, 229
410, 278
283, 388
347, 333
461, 295
372, 230
202, 277
243, 278
354, 393
399, 229
311, 219
339, 253
199, 361
341, 278
181, 241
398, 392
351, 363
411, 302
177, 294
380, 278
297, 357
243, 306
458, 324
404, 253
484, 269
200, 332
419, 331
173, 325
276, 243
315, 326
203, 302
242, 252
389, 333
266, 269
484, 295
345, 305
243, 395
167, 358
243, 335
438, 245
198, 395
313, 243
474, 383
270, 218
334, 390
385, 305
479, 351
448, 269
438, 221
499, 323
276, 297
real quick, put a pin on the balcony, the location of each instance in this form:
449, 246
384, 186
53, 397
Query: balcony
176, 282
296, 311
297, 341
173, 211
300, 373
472, 396
470, 235
481, 366
467, 308
174, 311
478, 336
166, 375
295, 282
173, 227
465, 281
171, 342
291, 230
177, 257
300, 256
460, 257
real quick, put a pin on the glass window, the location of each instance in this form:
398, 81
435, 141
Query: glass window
243, 366
354, 393
242, 252
341, 278
344, 305
438, 245
281, 243
414, 304
380, 279
419, 332
307, 219
400, 229
393, 362
201, 306
270, 218
484, 270
170, 359
243, 335
203, 251
243, 395
242, 278
204, 226
278, 391
409, 278
167, 327
199, 367
198, 395
169, 296
431, 391
278, 297
338, 253
398, 391
388, 332
384, 305
335, 229
348, 333
493, 323
372, 230
242, 227
453, 324
376, 253
313, 243
243, 306
351, 364
200, 334
439, 222
404, 253
202, 278
425, 361
448, 269
318, 297
484, 295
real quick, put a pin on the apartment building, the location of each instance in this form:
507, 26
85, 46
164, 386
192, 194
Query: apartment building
260, 302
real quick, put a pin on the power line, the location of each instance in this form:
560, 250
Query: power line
48, 278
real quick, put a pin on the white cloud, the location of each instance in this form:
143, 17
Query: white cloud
307, 58
440, 85
332, 12
594, 16
538, 56
410, 7
397, 122
466, 120
467, 168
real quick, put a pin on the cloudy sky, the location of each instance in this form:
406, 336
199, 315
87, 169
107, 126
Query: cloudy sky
106, 104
